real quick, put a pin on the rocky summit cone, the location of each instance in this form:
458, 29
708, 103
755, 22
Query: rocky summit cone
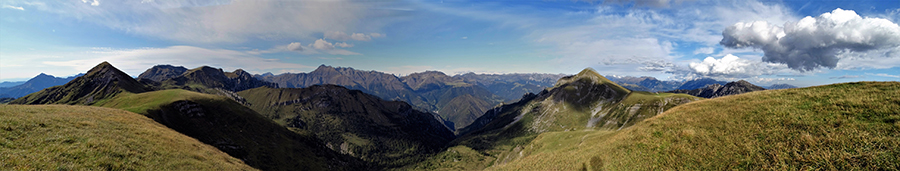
101, 82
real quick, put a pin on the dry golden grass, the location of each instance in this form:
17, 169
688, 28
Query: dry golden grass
850, 126
61, 137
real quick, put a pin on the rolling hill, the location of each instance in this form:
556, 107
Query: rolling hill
847, 126
62, 137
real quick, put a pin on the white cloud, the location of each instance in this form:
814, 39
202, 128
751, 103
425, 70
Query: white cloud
733, 67
705, 50
322, 45
337, 35
884, 75
94, 3
464, 38
13, 7
343, 44
295, 46
814, 42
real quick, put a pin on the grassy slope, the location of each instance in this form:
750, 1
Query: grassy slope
261, 142
59, 137
850, 126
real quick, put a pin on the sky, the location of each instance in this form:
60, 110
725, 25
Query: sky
798, 42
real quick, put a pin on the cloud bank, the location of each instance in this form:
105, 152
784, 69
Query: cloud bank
815, 42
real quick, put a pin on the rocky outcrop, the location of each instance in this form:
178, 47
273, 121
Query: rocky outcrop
716, 90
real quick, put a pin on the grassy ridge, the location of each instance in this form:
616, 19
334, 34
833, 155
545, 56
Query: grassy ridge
59, 137
850, 126
234, 129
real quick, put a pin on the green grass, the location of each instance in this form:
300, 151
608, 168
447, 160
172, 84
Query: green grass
60, 137
850, 126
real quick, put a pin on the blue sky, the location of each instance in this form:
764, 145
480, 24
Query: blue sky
796, 42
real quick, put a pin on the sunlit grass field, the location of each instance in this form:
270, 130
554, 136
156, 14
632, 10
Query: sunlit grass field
62, 137
849, 126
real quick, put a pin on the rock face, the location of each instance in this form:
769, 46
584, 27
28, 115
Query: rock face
101, 82
355, 123
716, 90
161, 73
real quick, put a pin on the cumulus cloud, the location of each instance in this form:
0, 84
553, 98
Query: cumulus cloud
295, 46
322, 45
337, 35
733, 66
13, 7
815, 42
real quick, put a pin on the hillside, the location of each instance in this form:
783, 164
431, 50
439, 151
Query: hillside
717, 90
780, 86
101, 82
35, 84
645, 83
59, 137
848, 126
511, 87
389, 133
454, 100
586, 101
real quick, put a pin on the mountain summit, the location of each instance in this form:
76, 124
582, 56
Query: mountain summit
102, 81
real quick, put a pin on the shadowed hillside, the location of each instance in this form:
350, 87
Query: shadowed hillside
717, 90
59, 137
390, 133
35, 84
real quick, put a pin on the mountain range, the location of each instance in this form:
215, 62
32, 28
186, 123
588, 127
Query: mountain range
457, 99
580, 122
716, 90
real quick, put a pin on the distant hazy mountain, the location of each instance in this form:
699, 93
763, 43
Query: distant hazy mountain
11, 83
645, 83
780, 86
511, 87
716, 90
459, 99
35, 84
390, 133
101, 82
452, 98
699, 83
